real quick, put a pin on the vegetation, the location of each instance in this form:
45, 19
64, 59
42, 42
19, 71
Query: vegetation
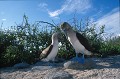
24, 43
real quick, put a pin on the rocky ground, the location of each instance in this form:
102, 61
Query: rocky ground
103, 68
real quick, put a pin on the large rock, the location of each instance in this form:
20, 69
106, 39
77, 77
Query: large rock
89, 63
57, 74
21, 65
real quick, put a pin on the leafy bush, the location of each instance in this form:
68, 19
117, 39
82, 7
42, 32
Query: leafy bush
110, 47
11, 56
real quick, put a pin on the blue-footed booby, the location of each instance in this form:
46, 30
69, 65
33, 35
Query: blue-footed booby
51, 51
78, 41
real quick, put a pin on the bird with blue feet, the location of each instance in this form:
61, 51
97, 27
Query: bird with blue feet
51, 51
78, 41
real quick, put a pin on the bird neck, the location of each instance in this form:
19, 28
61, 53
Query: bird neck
69, 32
54, 41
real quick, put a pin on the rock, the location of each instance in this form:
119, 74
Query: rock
89, 63
49, 63
41, 67
58, 74
21, 65
40, 63
44, 63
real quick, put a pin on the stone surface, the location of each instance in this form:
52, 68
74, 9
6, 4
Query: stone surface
105, 68
21, 65
45, 63
41, 68
89, 63
57, 74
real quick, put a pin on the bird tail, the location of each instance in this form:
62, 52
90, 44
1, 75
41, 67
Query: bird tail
88, 52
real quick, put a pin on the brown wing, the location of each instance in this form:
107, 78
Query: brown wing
84, 41
46, 52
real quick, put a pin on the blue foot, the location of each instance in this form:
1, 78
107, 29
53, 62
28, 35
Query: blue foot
77, 59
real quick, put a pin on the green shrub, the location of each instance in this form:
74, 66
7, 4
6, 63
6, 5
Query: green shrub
110, 47
11, 56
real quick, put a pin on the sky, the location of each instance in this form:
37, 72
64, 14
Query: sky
102, 12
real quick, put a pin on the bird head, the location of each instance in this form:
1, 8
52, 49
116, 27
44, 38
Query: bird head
65, 26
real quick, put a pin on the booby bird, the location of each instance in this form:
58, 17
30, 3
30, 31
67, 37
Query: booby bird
51, 51
79, 42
